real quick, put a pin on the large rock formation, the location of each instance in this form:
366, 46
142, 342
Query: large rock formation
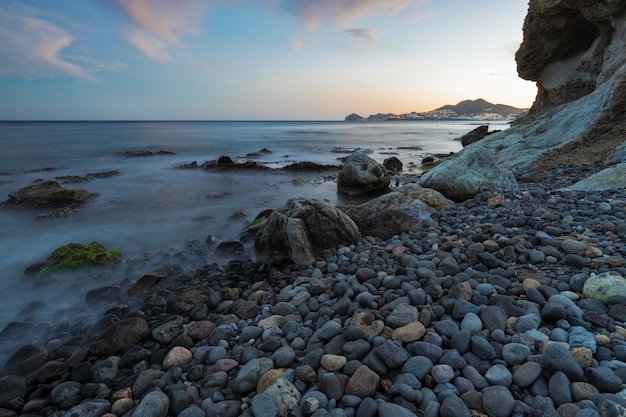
573, 49
461, 178
406, 208
301, 230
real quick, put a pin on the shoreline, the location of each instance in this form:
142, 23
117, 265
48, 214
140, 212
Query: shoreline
345, 333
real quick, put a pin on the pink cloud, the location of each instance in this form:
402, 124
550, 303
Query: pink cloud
160, 24
31, 47
312, 13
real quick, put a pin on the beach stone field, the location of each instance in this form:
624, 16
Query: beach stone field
512, 303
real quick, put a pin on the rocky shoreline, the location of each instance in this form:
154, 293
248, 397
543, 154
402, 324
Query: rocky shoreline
487, 310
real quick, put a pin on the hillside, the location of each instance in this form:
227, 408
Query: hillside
481, 106
465, 109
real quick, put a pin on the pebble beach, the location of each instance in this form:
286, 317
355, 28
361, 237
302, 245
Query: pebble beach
510, 304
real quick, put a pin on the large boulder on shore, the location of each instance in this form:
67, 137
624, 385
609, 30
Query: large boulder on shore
461, 177
301, 230
361, 175
406, 208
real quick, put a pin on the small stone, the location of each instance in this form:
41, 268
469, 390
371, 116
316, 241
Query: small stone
442, 373
285, 394
453, 406
498, 401
368, 323
177, 356
409, 333
526, 374
200, 329
602, 287
555, 357
499, 375
582, 391
386, 409
153, 404
333, 362
167, 331
363, 382
583, 356
515, 353
271, 321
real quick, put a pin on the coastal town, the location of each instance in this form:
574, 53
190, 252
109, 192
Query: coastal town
465, 110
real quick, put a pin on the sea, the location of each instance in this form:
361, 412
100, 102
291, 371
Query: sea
154, 206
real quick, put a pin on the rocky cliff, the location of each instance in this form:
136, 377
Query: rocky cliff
574, 50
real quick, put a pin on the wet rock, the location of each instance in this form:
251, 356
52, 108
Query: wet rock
301, 230
363, 382
125, 332
48, 194
362, 175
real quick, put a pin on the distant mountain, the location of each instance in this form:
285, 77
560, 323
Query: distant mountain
466, 109
379, 117
481, 106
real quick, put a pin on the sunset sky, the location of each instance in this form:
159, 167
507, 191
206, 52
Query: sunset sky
254, 59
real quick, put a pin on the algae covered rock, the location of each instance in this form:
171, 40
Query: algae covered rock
75, 255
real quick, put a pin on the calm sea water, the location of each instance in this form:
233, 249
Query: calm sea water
153, 206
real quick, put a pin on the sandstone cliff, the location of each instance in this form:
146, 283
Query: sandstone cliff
574, 50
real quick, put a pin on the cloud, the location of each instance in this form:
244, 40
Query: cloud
151, 46
31, 47
160, 24
312, 13
368, 34
296, 45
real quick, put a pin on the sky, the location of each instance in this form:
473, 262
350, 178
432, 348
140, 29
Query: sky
255, 59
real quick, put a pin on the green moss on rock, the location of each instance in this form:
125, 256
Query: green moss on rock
75, 255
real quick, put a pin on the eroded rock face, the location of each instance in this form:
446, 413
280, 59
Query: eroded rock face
573, 49
564, 46
301, 230
361, 175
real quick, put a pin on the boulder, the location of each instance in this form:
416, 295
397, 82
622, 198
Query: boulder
301, 230
404, 209
48, 194
461, 177
393, 164
475, 135
361, 175
611, 178
75, 255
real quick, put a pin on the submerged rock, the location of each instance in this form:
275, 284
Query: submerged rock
48, 194
74, 255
